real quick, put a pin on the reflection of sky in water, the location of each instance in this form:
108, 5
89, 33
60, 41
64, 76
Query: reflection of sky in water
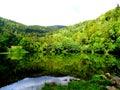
34, 83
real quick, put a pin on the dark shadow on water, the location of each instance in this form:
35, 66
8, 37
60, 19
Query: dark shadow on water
15, 67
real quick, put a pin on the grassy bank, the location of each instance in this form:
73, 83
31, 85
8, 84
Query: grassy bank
97, 82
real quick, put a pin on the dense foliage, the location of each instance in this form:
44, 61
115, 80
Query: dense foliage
96, 83
16, 66
14, 34
101, 35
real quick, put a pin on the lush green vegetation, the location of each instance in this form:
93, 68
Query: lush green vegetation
101, 35
14, 67
17, 49
96, 83
16, 34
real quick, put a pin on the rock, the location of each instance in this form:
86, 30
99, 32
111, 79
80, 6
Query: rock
108, 75
115, 81
111, 88
74, 79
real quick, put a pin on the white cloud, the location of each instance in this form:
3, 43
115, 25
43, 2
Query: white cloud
54, 12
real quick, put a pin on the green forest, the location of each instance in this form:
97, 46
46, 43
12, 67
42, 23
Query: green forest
16, 34
101, 35
98, 36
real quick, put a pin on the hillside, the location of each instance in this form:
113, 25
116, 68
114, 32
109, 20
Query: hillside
101, 35
12, 32
43, 29
83, 50
15, 27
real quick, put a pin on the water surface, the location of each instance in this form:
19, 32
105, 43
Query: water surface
14, 67
36, 83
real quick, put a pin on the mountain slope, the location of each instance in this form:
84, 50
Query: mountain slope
11, 32
43, 29
101, 35
15, 27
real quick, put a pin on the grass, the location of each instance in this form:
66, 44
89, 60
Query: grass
98, 82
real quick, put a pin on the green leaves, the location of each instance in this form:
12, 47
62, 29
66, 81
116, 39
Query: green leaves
99, 35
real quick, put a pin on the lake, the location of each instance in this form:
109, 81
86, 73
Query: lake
37, 83
14, 67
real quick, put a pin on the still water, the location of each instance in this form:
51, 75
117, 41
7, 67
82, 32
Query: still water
15, 67
36, 83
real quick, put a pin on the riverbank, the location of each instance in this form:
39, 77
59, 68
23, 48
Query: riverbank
37, 83
80, 65
97, 82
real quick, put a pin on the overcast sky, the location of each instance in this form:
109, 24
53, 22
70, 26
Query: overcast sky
54, 12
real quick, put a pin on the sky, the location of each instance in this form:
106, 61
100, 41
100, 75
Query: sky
54, 12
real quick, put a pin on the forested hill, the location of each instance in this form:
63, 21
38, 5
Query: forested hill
11, 32
101, 35
43, 29
11, 26
15, 27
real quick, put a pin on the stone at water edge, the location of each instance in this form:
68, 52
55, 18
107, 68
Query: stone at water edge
108, 75
111, 88
115, 81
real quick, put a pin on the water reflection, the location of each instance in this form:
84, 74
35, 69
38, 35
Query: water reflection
16, 56
78, 65
36, 83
